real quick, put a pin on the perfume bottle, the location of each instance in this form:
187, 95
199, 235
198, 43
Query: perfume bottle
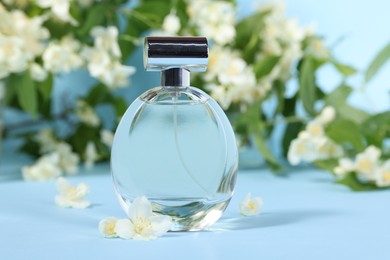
174, 144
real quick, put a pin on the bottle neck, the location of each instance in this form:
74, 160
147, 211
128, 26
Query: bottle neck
175, 77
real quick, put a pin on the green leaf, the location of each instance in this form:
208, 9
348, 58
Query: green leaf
30, 147
80, 138
328, 164
289, 106
377, 63
338, 100
147, 15
264, 150
95, 17
120, 106
377, 128
247, 39
250, 117
265, 66
344, 131
345, 70
26, 93
290, 134
97, 95
10, 90
307, 86
352, 181
45, 87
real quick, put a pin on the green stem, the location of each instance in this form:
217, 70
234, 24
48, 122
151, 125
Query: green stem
134, 40
141, 17
291, 119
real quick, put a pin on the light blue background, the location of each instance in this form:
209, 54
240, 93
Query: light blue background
365, 26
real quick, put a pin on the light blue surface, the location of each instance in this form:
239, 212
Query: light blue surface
305, 216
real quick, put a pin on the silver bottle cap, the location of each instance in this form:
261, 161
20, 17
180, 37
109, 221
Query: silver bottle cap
189, 53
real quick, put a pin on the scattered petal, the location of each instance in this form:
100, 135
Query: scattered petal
70, 196
251, 206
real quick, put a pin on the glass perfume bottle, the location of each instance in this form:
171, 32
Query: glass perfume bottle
174, 144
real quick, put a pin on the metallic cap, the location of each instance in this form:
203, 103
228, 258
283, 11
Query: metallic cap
162, 53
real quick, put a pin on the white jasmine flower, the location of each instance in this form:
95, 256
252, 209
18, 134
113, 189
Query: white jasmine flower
107, 137
22, 39
60, 8
37, 72
317, 49
367, 162
312, 144
46, 140
71, 196
236, 80
171, 24
271, 47
327, 148
214, 19
62, 57
91, 155
327, 115
251, 206
345, 166
31, 31
106, 39
86, 114
282, 37
118, 76
383, 175
44, 169
315, 129
124, 228
142, 225
301, 149
98, 61
220, 94
105, 68
68, 161
12, 57
107, 227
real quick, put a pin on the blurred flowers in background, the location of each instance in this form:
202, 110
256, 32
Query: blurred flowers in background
262, 71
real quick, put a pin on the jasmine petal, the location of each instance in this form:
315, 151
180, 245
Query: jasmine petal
124, 229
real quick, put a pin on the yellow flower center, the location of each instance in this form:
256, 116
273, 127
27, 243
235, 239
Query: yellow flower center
386, 176
142, 225
233, 70
110, 228
364, 165
71, 193
315, 130
212, 60
251, 205
8, 49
